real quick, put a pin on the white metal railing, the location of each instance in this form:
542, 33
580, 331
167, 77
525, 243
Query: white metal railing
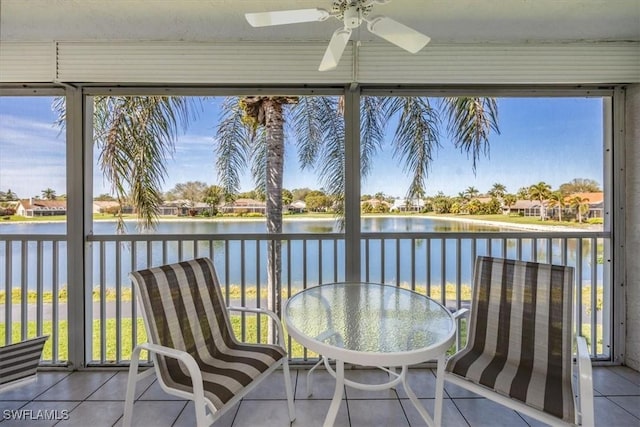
33, 291
33, 271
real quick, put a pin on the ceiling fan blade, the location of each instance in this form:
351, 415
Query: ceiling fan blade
398, 34
281, 17
335, 49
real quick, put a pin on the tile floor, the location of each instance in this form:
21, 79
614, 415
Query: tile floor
95, 398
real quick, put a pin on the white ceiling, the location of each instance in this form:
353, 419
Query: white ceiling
210, 20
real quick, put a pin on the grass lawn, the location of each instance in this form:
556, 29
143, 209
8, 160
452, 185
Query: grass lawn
297, 351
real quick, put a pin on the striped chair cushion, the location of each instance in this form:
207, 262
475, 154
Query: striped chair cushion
184, 309
520, 334
20, 360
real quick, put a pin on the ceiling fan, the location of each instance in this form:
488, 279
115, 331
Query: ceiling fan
352, 13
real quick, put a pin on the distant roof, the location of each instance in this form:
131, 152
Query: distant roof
43, 204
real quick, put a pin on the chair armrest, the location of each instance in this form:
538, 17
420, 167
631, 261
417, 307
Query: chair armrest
269, 313
457, 315
460, 313
585, 382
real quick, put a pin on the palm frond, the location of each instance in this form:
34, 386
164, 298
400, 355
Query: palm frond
258, 158
307, 125
416, 138
471, 121
371, 131
233, 142
331, 157
135, 136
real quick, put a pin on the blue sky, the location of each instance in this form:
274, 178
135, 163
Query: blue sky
542, 139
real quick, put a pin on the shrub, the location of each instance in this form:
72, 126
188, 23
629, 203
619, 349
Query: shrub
595, 221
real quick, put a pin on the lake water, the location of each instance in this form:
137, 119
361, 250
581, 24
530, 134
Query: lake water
388, 262
295, 225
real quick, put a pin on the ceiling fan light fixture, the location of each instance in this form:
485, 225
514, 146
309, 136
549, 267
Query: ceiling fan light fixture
352, 18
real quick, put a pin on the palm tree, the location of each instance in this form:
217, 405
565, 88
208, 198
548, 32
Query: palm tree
213, 197
49, 194
540, 192
498, 190
509, 200
581, 206
251, 132
556, 198
471, 192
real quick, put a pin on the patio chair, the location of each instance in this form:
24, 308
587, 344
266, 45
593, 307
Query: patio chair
19, 362
520, 343
195, 353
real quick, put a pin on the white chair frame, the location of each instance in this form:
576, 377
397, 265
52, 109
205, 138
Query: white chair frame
201, 403
582, 384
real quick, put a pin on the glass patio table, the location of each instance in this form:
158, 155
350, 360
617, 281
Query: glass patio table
370, 324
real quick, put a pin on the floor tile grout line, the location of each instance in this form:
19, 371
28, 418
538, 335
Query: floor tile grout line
621, 407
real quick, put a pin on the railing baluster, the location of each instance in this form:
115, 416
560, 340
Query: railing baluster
103, 303
118, 302
398, 255
39, 288
24, 282
8, 294
594, 296
55, 300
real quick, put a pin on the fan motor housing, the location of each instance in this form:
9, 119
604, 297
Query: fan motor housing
352, 17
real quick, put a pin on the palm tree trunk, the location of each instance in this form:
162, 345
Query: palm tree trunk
274, 122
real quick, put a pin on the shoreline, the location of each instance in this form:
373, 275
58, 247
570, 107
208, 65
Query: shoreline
292, 218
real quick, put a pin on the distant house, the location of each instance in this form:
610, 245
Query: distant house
595, 201
240, 206
532, 207
110, 206
182, 207
524, 208
37, 207
407, 205
103, 206
297, 206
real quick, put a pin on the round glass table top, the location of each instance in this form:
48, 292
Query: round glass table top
368, 318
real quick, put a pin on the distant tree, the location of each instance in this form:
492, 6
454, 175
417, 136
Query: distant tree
105, 197
580, 185
213, 197
498, 190
379, 196
471, 192
474, 207
509, 200
441, 203
191, 191
556, 198
301, 193
540, 192
317, 201
580, 205
523, 193
287, 197
8, 196
49, 194
491, 207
